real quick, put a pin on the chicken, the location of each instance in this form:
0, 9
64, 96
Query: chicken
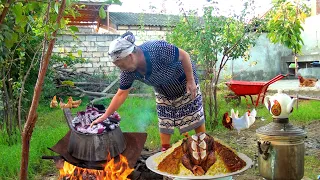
76, 103
252, 117
307, 82
227, 121
63, 105
54, 102
199, 153
234, 122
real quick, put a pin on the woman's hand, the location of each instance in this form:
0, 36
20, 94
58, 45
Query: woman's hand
192, 88
98, 120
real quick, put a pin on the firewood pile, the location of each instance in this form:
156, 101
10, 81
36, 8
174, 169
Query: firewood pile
69, 82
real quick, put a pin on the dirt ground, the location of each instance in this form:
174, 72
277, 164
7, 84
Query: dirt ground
246, 143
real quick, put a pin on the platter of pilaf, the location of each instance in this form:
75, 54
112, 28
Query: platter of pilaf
199, 157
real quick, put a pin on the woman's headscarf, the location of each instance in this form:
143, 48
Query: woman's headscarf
122, 46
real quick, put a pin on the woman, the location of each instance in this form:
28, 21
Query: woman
172, 74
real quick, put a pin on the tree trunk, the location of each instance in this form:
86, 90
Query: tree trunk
32, 117
296, 65
5, 11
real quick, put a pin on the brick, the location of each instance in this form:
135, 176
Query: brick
75, 55
106, 38
97, 54
67, 38
103, 48
98, 64
86, 54
78, 65
81, 37
106, 54
94, 59
86, 43
91, 38
92, 49
103, 43
83, 49
67, 49
73, 43
105, 59
86, 65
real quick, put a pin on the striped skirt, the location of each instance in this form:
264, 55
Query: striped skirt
184, 112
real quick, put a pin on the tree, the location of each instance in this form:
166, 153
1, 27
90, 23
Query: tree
212, 41
32, 116
285, 25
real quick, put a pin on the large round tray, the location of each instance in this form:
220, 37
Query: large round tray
152, 165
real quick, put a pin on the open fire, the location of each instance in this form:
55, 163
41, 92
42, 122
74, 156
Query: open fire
112, 171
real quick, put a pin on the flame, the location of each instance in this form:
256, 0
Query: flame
112, 171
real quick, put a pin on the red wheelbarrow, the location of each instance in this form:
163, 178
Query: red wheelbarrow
249, 88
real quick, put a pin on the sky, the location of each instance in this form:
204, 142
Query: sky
172, 6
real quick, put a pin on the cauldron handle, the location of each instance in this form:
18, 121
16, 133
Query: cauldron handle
263, 149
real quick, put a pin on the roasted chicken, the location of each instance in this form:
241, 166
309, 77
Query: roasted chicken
54, 102
199, 153
307, 82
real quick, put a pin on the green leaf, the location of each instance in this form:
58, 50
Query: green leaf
79, 52
102, 12
14, 37
8, 43
17, 11
56, 7
68, 2
74, 28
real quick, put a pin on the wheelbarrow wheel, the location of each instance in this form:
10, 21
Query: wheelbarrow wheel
232, 98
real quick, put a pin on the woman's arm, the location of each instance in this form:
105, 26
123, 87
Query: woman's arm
116, 102
187, 67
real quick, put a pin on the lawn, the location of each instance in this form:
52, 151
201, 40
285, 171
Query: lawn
138, 115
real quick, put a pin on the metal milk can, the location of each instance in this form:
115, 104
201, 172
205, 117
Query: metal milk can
281, 146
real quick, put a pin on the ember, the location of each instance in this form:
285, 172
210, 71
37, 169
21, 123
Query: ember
112, 171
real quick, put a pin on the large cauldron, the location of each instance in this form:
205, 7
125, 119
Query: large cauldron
94, 147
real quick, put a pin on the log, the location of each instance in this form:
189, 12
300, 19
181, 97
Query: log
91, 93
111, 95
111, 85
89, 83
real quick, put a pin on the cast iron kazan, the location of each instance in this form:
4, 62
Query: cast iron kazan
95, 147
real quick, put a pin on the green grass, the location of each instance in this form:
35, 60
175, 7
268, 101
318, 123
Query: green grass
138, 115
311, 167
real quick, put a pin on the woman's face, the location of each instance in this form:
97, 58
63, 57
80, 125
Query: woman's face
126, 64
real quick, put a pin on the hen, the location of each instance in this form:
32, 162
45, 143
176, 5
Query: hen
54, 102
76, 103
234, 122
63, 105
307, 82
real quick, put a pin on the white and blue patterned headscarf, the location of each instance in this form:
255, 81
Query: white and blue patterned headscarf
122, 46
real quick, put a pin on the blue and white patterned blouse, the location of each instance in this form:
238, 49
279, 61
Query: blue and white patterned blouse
164, 70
